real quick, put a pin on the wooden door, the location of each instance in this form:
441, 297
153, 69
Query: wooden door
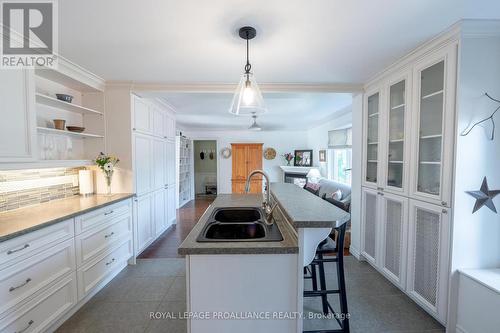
246, 158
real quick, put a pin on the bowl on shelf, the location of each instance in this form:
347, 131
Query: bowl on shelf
59, 124
76, 129
64, 98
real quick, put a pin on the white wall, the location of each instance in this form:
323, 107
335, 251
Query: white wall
317, 137
357, 153
281, 141
475, 237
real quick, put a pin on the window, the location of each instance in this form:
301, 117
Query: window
339, 159
339, 165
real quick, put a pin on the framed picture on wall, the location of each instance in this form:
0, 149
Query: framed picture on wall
303, 158
322, 155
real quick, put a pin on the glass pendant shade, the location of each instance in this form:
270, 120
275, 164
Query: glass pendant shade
247, 100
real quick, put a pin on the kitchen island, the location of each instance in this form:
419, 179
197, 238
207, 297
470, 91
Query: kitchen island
254, 285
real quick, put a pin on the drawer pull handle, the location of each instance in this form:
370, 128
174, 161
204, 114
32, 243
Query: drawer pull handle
109, 235
24, 329
110, 262
108, 213
28, 280
17, 250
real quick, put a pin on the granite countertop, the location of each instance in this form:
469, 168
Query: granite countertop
20, 221
306, 210
190, 246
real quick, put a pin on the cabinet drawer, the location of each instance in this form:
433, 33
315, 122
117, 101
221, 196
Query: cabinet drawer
93, 273
28, 276
101, 216
20, 247
97, 240
41, 312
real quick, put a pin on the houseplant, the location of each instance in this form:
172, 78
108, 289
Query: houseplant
107, 164
288, 158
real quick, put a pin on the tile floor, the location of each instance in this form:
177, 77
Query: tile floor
159, 285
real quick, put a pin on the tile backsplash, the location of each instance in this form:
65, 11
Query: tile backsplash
20, 188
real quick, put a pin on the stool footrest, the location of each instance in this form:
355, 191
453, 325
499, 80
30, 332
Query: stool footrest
315, 293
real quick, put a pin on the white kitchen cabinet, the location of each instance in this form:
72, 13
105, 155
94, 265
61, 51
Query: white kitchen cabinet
170, 158
159, 124
143, 118
17, 110
428, 251
160, 198
393, 237
396, 123
372, 137
433, 119
370, 225
143, 163
144, 210
171, 204
169, 127
159, 164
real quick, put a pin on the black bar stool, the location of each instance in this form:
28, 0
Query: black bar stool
326, 247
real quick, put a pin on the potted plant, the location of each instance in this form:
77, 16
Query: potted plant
288, 158
107, 164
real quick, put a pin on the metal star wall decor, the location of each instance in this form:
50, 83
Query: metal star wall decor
484, 197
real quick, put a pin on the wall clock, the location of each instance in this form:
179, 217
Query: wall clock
226, 153
269, 154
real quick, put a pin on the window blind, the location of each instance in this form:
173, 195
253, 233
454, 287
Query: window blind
340, 139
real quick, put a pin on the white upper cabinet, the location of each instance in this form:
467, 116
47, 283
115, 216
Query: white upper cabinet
159, 124
371, 138
17, 110
433, 117
169, 127
395, 129
143, 119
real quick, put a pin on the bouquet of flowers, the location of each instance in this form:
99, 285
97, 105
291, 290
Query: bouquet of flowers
107, 164
288, 157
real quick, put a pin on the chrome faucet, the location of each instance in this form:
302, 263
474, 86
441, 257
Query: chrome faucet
266, 204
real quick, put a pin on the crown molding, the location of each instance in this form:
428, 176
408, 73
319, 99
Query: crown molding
230, 87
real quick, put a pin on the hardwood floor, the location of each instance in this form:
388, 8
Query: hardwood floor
187, 216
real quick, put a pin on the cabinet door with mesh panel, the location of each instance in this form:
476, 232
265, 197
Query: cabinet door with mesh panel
394, 231
428, 251
370, 213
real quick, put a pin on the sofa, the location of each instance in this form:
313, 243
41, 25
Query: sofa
324, 188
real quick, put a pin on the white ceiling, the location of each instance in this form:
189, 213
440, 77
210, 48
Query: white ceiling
286, 110
333, 41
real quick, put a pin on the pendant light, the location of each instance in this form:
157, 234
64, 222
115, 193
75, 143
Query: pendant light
247, 100
255, 126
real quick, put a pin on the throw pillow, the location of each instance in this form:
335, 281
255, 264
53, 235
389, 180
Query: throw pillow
338, 203
312, 187
337, 195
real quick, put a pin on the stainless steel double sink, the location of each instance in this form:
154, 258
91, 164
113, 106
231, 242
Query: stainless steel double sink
239, 224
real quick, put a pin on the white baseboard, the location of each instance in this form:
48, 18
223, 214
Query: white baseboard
355, 253
460, 329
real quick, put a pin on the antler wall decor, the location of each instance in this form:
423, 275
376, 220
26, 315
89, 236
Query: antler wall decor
492, 137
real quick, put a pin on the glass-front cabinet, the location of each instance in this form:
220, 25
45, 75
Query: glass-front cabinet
433, 120
396, 141
372, 145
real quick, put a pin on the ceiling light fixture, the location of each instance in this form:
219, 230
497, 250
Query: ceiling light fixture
247, 100
255, 126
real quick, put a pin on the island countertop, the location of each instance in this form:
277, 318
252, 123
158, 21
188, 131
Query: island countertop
21, 221
190, 246
306, 210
